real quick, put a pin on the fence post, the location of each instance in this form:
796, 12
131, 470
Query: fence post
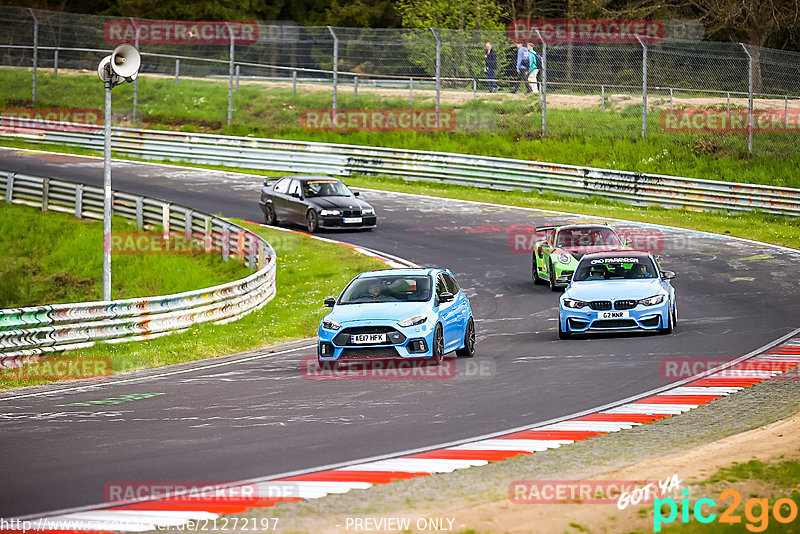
543, 91
294, 82
474, 89
55, 63
438, 73
335, 68
785, 110
187, 225
10, 187
411, 92
139, 214
237, 78
750, 98
230, 74
45, 193
35, 49
728, 105
165, 220
644, 86
602, 98
670, 99
79, 201
136, 81
177, 70
355, 88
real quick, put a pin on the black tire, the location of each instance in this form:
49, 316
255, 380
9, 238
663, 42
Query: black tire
469, 342
552, 273
269, 215
328, 366
670, 322
312, 221
561, 333
438, 345
535, 271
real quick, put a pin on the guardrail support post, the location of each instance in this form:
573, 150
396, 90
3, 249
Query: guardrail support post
750, 99
252, 248
237, 78
728, 105
474, 89
335, 68
165, 221
10, 188
261, 250
139, 214
79, 201
240, 245
208, 238
644, 86
177, 70
411, 92
35, 49
670, 99
226, 242
438, 73
230, 74
294, 82
543, 92
55, 63
187, 225
355, 88
45, 193
602, 98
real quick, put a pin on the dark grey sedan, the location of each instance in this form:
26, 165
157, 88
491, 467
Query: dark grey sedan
314, 202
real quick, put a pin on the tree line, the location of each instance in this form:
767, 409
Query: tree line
770, 23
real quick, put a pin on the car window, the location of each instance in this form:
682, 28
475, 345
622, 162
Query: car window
441, 287
294, 188
615, 269
283, 185
451, 284
389, 288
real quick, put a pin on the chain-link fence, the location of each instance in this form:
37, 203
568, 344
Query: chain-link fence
713, 95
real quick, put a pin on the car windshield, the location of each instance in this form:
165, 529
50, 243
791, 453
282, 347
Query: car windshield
387, 289
325, 188
615, 268
587, 237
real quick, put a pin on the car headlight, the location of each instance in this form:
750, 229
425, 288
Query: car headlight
572, 303
368, 211
330, 324
652, 301
412, 321
330, 212
563, 258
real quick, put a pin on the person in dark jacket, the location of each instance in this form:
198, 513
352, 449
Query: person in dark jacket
491, 67
522, 69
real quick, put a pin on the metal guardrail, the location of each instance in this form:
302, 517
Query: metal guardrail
40, 330
479, 171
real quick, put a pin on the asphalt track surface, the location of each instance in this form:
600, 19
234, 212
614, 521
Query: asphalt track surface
261, 417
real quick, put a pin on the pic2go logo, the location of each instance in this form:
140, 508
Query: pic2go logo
756, 511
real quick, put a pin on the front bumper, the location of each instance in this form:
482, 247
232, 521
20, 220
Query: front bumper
413, 342
641, 317
332, 222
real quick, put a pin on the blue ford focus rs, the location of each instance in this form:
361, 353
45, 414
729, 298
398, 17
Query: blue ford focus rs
397, 313
615, 291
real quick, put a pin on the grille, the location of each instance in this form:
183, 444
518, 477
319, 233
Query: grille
351, 213
614, 323
625, 304
393, 336
600, 305
377, 352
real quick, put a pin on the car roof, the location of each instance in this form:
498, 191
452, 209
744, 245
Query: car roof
422, 271
584, 227
306, 177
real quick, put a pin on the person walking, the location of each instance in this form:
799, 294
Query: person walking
491, 67
533, 65
522, 69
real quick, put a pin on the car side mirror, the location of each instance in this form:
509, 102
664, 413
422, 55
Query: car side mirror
294, 194
667, 275
355, 193
329, 302
446, 296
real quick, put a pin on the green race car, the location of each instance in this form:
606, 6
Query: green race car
557, 253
